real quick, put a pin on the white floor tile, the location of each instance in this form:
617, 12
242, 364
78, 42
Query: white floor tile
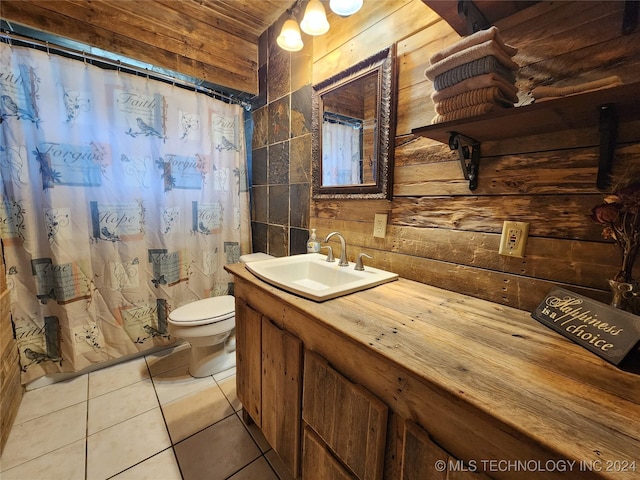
41, 401
120, 405
66, 463
128, 432
194, 412
259, 469
117, 376
278, 466
257, 435
177, 383
220, 451
121, 446
162, 466
228, 386
42, 435
231, 372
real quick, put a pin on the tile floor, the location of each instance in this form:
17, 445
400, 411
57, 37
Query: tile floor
143, 419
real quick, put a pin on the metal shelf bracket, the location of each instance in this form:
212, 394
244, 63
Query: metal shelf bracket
630, 16
608, 134
469, 161
474, 18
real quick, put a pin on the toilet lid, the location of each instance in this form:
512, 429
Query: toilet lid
208, 310
254, 257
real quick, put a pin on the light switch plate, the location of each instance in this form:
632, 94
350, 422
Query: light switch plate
380, 225
514, 239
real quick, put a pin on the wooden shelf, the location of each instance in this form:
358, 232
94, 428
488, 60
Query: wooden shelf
567, 113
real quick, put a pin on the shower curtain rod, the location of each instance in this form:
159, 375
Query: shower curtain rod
9, 37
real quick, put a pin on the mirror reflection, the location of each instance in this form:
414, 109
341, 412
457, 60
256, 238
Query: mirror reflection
348, 130
353, 129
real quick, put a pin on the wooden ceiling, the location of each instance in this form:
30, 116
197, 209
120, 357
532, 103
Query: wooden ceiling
243, 18
212, 40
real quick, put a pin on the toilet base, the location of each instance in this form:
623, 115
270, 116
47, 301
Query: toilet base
207, 361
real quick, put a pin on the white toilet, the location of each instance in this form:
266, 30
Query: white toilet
209, 326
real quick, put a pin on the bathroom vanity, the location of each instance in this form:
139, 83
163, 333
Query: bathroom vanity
409, 381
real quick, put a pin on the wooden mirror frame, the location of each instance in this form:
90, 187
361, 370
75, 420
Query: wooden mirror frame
384, 63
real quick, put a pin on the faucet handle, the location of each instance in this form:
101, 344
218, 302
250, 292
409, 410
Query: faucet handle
330, 257
359, 266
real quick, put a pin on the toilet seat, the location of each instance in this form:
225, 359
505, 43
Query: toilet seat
207, 311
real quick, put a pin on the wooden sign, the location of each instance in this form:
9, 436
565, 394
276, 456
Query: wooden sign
608, 332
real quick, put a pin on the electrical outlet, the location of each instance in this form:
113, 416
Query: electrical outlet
380, 225
514, 239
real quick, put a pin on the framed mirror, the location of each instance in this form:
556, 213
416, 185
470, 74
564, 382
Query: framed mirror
353, 130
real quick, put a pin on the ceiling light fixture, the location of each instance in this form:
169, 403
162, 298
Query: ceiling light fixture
314, 21
289, 38
344, 8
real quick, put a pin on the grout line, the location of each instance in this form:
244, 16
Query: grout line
166, 426
86, 434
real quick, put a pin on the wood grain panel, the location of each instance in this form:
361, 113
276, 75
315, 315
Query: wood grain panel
411, 17
421, 455
11, 390
481, 214
422, 458
414, 51
163, 36
317, 461
282, 393
539, 173
249, 360
481, 359
351, 421
343, 29
177, 33
554, 260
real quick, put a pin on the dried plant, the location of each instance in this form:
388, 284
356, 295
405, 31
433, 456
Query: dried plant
620, 215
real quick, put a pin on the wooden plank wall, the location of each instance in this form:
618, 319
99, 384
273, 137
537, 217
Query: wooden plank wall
439, 232
11, 390
187, 37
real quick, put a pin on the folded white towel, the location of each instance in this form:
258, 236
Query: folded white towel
488, 48
476, 38
542, 92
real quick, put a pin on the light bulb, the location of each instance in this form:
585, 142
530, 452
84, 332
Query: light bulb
344, 8
315, 19
289, 38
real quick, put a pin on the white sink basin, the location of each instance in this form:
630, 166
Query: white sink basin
311, 276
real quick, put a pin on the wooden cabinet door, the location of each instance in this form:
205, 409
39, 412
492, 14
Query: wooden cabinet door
249, 360
281, 393
348, 418
422, 458
317, 461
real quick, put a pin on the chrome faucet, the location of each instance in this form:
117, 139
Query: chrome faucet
343, 253
359, 265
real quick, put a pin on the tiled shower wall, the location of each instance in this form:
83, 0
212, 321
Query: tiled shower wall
281, 148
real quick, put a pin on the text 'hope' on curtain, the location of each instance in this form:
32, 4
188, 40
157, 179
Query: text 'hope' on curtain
122, 198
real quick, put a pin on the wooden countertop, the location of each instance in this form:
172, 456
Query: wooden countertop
496, 358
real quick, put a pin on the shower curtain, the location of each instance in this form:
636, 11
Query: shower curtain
340, 154
122, 199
